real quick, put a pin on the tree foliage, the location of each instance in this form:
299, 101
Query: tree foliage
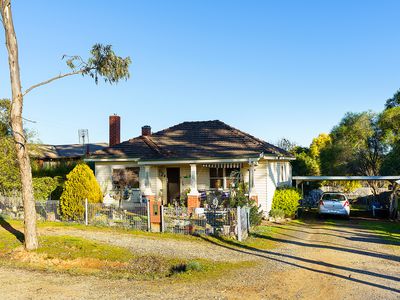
318, 144
81, 184
305, 165
394, 101
9, 172
356, 148
102, 63
5, 127
43, 187
346, 186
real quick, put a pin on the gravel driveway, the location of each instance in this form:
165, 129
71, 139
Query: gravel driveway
312, 261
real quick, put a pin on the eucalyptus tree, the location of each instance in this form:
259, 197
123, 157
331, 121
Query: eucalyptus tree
103, 63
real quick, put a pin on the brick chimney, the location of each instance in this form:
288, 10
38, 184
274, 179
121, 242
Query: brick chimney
115, 130
146, 130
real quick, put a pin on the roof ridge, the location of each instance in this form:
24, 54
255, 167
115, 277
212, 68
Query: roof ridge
257, 140
181, 123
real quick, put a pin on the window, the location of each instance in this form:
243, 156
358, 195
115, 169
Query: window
216, 178
223, 178
125, 178
282, 171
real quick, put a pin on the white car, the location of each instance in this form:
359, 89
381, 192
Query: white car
334, 204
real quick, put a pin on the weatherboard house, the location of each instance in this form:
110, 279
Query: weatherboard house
191, 157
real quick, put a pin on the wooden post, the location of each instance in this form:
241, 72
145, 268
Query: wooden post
248, 218
239, 225
148, 215
162, 218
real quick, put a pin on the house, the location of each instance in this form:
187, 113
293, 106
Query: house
194, 157
52, 155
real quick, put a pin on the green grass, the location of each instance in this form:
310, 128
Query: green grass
389, 231
79, 256
69, 248
8, 242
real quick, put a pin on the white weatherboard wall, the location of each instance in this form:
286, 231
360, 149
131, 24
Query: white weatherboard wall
279, 173
260, 184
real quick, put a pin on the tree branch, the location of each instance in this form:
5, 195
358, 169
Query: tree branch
52, 79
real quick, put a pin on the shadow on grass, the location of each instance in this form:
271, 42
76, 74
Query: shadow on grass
7, 226
300, 262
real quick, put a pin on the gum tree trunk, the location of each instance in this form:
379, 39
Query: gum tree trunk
31, 241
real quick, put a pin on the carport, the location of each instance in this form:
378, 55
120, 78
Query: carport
394, 180
301, 179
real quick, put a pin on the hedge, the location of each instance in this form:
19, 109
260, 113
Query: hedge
286, 199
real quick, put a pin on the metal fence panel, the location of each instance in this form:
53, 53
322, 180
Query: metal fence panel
219, 221
201, 221
101, 215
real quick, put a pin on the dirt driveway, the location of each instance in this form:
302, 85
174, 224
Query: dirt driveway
314, 260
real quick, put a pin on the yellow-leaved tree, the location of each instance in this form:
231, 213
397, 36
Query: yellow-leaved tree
81, 184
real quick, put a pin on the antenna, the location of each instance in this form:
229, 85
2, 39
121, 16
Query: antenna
84, 139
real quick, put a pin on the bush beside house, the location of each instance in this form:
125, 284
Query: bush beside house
239, 198
286, 199
81, 184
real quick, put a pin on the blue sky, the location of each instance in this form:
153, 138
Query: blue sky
272, 68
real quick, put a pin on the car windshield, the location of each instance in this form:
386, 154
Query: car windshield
333, 197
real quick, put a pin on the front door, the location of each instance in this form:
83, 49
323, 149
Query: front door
173, 184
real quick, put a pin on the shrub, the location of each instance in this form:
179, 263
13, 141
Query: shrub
255, 214
286, 199
80, 185
239, 197
194, 266
43, 187
277, 213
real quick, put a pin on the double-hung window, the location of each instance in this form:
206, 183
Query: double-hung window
223, 178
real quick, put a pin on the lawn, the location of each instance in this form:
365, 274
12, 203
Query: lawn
80, 256
389, 231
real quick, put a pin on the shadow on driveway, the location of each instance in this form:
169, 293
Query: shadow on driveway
300, 262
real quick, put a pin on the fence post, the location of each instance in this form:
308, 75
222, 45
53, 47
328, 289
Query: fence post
162, 218
148, 215
86, 212
248, 218
239, 225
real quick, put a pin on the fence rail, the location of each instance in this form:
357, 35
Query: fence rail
232, 222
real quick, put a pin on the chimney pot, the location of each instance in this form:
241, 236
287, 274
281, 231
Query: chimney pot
115, 130
146, 130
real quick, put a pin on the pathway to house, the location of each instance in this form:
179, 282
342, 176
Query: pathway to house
312, 261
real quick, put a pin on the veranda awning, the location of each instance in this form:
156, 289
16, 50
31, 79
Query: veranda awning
224, 165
